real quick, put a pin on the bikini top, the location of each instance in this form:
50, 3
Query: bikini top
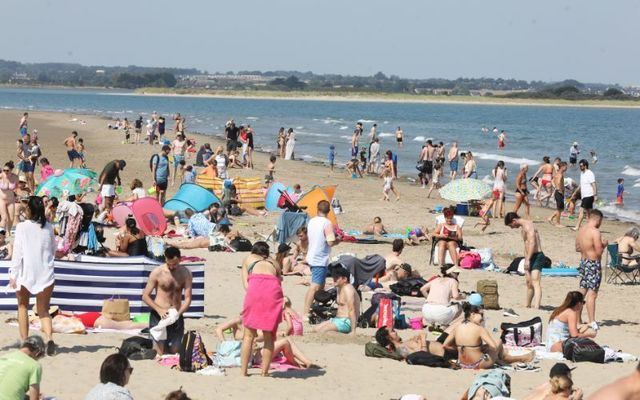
7, 185
253, 264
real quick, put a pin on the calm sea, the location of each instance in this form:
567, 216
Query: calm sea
532, 132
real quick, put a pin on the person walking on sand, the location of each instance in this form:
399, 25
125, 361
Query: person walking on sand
588, 191
591, 245
166, 321
31, 271
399, 136
109, 176
24, 124
179, 147
558, 194
374, 162
534, 258
290, 146
161, 172
322, 237
72, 153
522, 193
453, 158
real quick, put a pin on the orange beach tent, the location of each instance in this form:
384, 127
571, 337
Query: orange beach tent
311, 198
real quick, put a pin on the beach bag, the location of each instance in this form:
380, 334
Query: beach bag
470, 260
427, 359
517, 265
373, 349
488, 289
582, 349
385, 313
241, 244
137, 348
116, 309
155, 248
522, 334
193, 355
227, 354
408, 287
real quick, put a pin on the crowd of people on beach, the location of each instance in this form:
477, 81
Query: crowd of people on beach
268, 317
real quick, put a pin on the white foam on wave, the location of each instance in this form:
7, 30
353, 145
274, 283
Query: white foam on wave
506, 159
418, 139
299, 127
303, 133
637, 185
343, 127
488, 179
630, 171
367, 121
620, 212
385, 134
345, 137
253, 118
331, 121
307, 156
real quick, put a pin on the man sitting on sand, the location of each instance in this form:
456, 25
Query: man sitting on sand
534, 258
348, 301
166, 322
20, 372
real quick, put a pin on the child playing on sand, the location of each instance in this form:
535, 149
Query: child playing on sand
293, 322
188, 176
271, 169
620, 192
485, 214
388, 186
332, 156
46, 170
435, 181
353, 168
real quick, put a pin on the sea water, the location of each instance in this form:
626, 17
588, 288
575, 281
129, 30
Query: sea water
532, 131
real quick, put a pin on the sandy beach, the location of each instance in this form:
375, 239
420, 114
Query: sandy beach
346, 373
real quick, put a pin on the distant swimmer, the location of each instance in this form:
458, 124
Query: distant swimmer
573, 154
484, 129
495, 130
594, 157
501, 139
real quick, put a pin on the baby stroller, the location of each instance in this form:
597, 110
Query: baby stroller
285, 202
323, 307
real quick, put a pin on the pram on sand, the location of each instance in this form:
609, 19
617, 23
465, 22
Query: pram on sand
323, 307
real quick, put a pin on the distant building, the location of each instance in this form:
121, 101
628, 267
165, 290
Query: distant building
99, 72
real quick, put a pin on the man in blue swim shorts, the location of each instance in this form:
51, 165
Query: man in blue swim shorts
348, 301
453, 161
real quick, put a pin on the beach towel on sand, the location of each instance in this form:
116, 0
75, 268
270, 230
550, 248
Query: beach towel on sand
263, 303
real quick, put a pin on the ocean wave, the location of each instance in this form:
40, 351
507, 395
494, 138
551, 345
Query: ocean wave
637, 185
345, 137
418, 139
303, 133
367, 121
385, 134
630, 171
620, 212
343, 127
506, 159
385, 122
299, 127
253, 118
488, 179
307, 156
331, 121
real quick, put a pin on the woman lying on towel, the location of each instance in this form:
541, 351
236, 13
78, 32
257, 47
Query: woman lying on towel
389, 338
563, 322
287, 349
97, 320
476, 348
376, 228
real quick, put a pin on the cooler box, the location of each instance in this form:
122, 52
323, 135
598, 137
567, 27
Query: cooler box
462, 209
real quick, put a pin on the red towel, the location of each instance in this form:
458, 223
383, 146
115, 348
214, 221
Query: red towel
263, 303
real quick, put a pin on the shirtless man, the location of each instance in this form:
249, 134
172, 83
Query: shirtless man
627, 388
393, 259
72, 153
354, 143
24, 124
534, 258
590, 245
399, 136
426, 156
348, 301
169, 280
453, 161
558, 194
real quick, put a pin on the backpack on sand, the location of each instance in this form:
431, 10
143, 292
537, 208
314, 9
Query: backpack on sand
137, 348
193, 355
488, 289
427, 359
580, 349
523, 334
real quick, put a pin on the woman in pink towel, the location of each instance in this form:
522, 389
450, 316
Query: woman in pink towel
262, 310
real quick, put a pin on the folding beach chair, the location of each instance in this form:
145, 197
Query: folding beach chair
619, 273
434, 240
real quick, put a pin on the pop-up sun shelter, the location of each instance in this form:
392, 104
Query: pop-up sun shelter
191, 196
273, 195
309, 201
147, 213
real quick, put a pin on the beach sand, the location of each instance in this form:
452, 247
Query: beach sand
347, 372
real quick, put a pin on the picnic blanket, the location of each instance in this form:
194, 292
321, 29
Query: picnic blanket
82, 286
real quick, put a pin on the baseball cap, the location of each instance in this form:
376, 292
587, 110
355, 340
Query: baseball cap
560, 369
406, 267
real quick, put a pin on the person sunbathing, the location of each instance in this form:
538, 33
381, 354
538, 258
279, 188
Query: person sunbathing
389, 339
292, 354
224, 233
296, 264
563, 322
627, 244
417, 235
476, 348
291, 319
376, 228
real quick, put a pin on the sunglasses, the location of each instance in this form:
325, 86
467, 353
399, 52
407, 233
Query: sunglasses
6, 170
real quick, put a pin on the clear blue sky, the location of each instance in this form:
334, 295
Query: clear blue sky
588, 40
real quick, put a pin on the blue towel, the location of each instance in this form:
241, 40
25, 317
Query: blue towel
92, 239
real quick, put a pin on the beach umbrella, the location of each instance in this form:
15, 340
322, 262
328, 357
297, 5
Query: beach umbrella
71, 181
465, 189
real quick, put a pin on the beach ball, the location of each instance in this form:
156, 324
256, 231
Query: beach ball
475, 299
151, 190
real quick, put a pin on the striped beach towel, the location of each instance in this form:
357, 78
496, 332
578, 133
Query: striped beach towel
82, 286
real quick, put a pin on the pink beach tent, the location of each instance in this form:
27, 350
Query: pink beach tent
147, 212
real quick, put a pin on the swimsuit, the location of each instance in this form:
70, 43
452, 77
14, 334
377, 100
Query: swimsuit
559, 198
557, 331
537, 261
342, 324
7, 186
590, 274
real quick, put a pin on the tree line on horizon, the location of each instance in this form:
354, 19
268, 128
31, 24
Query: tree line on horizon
135, 77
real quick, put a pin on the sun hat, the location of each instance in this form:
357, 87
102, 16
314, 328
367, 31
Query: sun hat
575, 143
53, 310
454, 270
